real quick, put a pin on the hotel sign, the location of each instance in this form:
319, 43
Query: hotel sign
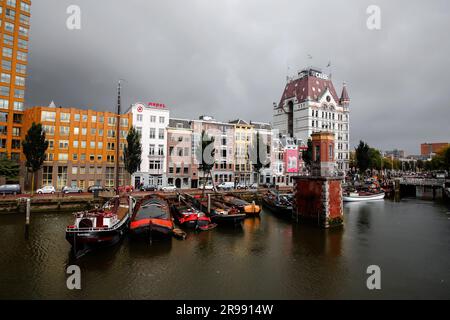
157, 105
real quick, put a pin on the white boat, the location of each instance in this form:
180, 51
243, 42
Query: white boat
363, 196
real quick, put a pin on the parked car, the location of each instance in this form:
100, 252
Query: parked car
241, 186
68, 189
96, 188
226, 186
126, 189
149, 187
207, 187
168, 188
46, 190
10, 189
253, 186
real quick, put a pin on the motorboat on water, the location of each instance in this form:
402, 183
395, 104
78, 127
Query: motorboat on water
186, 215
151, 219
250, 209
360, 196
278, 203
100, 227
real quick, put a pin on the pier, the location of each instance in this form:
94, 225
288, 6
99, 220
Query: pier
427, 189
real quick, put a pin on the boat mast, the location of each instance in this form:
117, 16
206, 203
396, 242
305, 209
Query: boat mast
118, 137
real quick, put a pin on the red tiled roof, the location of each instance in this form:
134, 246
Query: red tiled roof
303, 88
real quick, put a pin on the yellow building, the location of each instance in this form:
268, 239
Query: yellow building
244, 132
15, 24
82, 146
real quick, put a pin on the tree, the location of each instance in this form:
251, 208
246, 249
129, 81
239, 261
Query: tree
308, 154
259, 155
9, 169
205, 154
375, 160
132, 151
34, 147
362, 156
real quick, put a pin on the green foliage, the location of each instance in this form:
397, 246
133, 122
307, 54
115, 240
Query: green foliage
308, 154
9, 169
34, 147
362, 156
132, 152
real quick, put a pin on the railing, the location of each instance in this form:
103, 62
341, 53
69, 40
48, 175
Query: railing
422, 182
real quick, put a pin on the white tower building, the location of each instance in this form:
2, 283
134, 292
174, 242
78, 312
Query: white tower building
310, 104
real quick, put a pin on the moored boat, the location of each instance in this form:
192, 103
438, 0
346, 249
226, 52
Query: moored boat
218, 211
278, 203
101, 227
151, 219
360, 196
186, 215
250, 209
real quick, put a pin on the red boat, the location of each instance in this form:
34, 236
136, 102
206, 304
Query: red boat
188, 216
151, 219
101, 227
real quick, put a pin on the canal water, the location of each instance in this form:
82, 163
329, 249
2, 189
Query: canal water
268, 258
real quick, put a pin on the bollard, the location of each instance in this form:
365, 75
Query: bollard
28, 211
209, 203
130, 206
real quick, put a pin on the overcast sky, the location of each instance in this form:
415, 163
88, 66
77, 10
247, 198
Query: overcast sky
230, 58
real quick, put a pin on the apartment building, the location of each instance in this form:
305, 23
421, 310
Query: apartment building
82, 146
14, 42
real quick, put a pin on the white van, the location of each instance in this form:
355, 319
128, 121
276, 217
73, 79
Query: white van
226, 185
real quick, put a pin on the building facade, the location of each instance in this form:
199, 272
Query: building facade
310, 104
430, 149
244, 135
14, 26
181, 172
224, 144
82, 146
151, 121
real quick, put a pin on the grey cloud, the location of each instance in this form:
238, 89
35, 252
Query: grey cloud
229, 58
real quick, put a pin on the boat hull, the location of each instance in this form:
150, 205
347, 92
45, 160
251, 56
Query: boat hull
379, 196
279, 210
228, 219
84, 241
151, 230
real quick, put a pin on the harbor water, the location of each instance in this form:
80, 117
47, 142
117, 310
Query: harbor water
267, 258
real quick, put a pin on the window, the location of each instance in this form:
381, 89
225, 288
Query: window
20, 68
92, 157
152, 133
48, 116
161, 119
160, 150
92, 144
8, 40
91, 170
6, 78
124, 122
111, 133
152, 119
100, 145
9, 27
151, 150
63, 144
3, 117
83, 144
20, 81
16, 132
100, 119
93, 131
15, 144
24, 19
47, 176
49, 130
19, 93
62, 177
84, 117
161, 134
83, 131
100, 132
25, 7
75, 143
111, 121
82, 170
63, 157
94, 119
6, 65
139, 118
74, 170
4, 91
110, 146
3, 130
23, 31
22, 56
64, 117
155, 165
51, 144
18, 106
4, 104
77, 117
22, 44
76, 131
64, 131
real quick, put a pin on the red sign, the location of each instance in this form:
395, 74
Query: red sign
291, 160
157, 105
140, 108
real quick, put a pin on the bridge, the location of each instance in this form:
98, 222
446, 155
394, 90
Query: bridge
425, 188
422, 182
